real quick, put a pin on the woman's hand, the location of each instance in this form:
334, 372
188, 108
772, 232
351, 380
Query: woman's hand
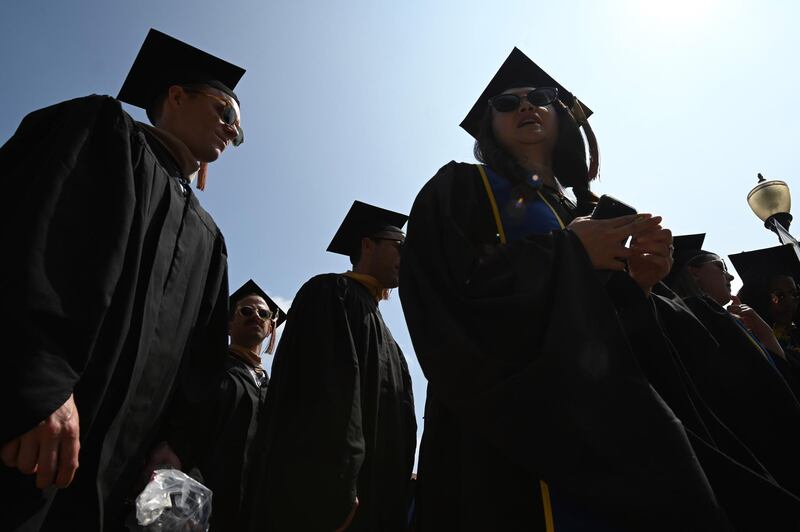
604, 240
651, 258
756, 325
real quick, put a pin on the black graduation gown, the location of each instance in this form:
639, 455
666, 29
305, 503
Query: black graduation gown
219, 444
742, 387
790, 366
116, 290
536, 373
339, 417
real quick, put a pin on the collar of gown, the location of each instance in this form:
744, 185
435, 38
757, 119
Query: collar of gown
187, 163
246, 356
372, 284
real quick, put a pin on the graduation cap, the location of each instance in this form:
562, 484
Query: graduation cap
518, 70
250, 288
364, 220
686, 249
759, 266
164, 61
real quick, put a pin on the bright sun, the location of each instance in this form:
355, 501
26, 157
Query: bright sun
676, 13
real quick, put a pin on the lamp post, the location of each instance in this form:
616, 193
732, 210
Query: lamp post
771, 202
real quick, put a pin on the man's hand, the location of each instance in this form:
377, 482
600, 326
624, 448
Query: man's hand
50, 449
161, 455
350, 517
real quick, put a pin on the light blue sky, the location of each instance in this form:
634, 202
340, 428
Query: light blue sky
362, 100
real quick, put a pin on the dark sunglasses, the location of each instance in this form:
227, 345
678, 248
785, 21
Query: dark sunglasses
246, 312
505, 103
227, 114
779, 296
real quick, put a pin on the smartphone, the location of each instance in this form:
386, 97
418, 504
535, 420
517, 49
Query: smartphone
610, 207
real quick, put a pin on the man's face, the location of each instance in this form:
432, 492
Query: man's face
783, 300
247, 328
196, 119
385, 263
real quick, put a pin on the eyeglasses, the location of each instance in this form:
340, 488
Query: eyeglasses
778, 296
505, 103
398, 243
246, 312
702, 260
228, 114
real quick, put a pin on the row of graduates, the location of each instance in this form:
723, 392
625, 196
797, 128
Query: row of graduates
568, 387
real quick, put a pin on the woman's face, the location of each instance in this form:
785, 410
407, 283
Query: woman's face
782, 299
714, 280
526, 126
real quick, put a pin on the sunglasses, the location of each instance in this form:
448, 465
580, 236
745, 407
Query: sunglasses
702, 260
505, 103
778, 296
227, 114
246, 312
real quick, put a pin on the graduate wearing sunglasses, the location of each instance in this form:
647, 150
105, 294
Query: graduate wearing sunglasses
734, 359
218, 437
118, 293
339, 431
554, 401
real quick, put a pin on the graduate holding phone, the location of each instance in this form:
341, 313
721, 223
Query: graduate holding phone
554, 400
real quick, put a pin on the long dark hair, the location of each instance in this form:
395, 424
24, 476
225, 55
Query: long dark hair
684, 284
569, 157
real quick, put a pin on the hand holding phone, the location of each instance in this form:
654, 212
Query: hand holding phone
610, 207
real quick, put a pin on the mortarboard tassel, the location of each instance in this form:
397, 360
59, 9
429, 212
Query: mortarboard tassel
271, 345
594, 152
202, 174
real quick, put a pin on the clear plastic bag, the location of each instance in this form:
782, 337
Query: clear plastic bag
173, 502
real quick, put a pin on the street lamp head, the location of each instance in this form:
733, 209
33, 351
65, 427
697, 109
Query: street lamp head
771, 200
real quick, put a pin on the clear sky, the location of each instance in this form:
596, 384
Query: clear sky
347, 100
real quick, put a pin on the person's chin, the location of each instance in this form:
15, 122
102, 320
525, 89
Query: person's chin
208, 153
211, 156
530, 140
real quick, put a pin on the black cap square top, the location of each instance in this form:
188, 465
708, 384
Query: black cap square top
364, 220
518, 70
164, 61
249, 288
686, 248
760, 265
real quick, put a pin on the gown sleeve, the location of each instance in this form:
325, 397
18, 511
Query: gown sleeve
68, 207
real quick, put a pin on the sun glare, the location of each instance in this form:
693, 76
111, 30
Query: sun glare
675, 15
